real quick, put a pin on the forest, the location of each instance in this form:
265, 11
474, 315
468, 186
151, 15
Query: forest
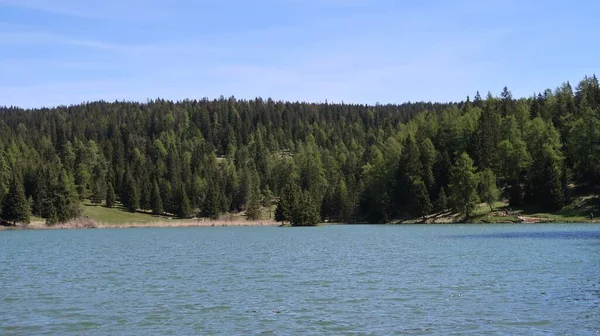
317, 162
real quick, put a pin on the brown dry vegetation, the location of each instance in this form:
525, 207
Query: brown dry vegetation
86, 223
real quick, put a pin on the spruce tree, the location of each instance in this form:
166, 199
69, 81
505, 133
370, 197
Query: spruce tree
545, 186
463, 185
146, 193
488, 191
156, 200
287, 203
306, 211
66, 198
253, 208
184, 209
98, 185
420, 203
110, 195
130, 194
442, 201
15, 207
212, 203
97, 193
343, 202
134, 197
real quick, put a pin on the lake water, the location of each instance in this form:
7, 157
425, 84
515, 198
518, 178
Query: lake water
330, 280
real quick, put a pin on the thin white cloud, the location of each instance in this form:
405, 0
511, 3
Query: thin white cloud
421, 53
97, 9
38, 38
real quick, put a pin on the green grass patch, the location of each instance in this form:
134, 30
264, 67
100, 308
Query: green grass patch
118, 215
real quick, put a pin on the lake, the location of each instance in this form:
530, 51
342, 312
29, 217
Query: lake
330, 280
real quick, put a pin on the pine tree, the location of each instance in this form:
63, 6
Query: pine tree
130, 196
420, 203
442, 201
66, 198
184, 209
212, 203
15, 207
463, 185
98, 185
146, 193
110, 195
488, 191
156, 200
287, 202
343, 202
253, 208
97, 193
134, 197
409, 167
281, 211
305, 211
545, 187
487, 134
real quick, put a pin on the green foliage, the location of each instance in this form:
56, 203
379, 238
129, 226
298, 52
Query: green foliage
287, 202
111, 198
342, 202
156, 200
442, 201
212, 203
306, 211
488, 191
15, 207
253, 208
545, 187
420, 203
297, 207
356, 162
65, 203
130, 194
463, 185
184, 209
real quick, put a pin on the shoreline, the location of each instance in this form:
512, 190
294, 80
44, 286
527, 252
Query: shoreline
220, 223
85, 223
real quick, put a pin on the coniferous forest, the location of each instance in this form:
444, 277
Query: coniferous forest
316, 162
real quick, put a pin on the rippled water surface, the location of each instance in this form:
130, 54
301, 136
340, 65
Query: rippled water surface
331, 280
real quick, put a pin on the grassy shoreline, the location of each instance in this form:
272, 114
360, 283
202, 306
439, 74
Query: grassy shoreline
581, 210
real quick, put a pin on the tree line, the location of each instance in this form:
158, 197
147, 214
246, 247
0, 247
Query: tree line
316, 162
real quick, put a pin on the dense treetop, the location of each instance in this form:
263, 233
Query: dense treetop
347, 162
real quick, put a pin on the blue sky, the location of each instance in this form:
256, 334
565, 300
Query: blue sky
359, 51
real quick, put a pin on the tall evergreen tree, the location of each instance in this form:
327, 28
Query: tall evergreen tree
545, 185
111, 198
184, 209
306, 211
98, 184
488, 191
253, 208
66, 200
130, 195
212, 203
442, 201
420, 202
463, 185
15, 207
287, 203
156, 200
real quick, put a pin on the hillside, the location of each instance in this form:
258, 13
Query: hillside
321, 162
